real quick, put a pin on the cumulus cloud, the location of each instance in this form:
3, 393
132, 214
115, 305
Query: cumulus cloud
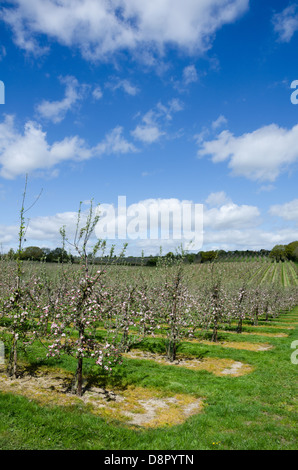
148, 224
286, 22
114, 142
190, 75
218, 199
99, 28
253, 238
287, 211
148, 132
266, 188
151, 128
221, 214
219, 122
56, 110
97, 93
8, 234
125, 85
231, 216
28, 151
157, 222
47, 228
260, 155
230, 226
2, 52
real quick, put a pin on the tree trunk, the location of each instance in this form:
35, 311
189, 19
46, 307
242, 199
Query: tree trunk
256, 317
15, 352
12, 365
172, 350
267, 312
79, 371
79, 378
239, 327
215, 328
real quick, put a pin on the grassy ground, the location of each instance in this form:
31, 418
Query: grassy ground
255, 411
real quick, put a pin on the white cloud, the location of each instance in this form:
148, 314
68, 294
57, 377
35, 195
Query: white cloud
97, 93
140, 232
173, 106
202, 136
224, 223
266, 188
124, 85
221, 213
2, 52
45, 230
260, 155
114, 142
217, 199
254, 238
227, 226
219, 122
22, 153
56, 110
158, 220
286, 22
231, 216
151, 128
190, 75
48, 227
99, 28
287, 211
29, 151
8, 234
147, 133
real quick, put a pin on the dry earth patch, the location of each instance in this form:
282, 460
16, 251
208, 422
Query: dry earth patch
236, 345
134, 406
217, 366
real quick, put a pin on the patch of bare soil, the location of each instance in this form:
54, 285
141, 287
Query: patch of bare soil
230, 344
217, 366
149, 408
276, 327
238, 345
134, 406
270, 335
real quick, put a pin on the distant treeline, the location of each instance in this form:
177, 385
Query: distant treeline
59, 255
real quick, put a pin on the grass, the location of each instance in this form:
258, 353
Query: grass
255, 411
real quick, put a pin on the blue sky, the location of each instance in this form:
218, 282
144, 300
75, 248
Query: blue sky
161, 102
